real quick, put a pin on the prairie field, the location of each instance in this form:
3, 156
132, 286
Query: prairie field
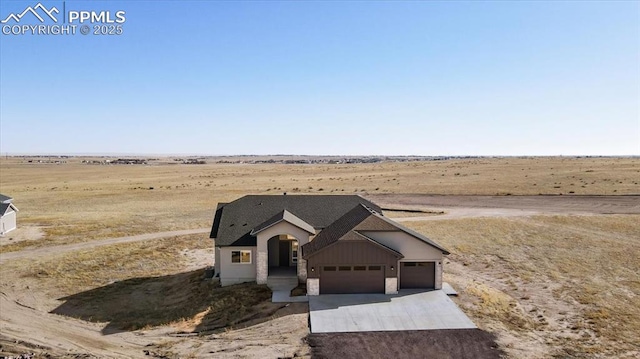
75, 202
550, 280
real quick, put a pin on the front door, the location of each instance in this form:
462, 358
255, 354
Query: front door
284, 253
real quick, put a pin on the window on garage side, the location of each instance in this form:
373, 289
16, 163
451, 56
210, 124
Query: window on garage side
241, 257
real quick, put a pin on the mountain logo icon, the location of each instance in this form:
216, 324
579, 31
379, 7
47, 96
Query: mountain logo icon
34, 11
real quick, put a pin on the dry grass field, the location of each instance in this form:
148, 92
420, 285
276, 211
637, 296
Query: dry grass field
553, 286
549, 285
79, 202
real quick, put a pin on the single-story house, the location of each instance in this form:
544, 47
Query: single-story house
7, 215
334, 243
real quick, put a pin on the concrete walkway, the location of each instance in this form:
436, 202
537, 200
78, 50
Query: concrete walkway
283, 295
281, 285
408, 310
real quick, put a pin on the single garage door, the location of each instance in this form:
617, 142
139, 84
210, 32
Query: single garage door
417, 275
352, 279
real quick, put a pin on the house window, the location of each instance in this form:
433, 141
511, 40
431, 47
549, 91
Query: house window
240, 256
294, 252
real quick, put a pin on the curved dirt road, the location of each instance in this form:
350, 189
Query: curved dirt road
466, 206
39, 252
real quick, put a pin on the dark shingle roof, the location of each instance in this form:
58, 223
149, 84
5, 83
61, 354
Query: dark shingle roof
233, 222
337, 229
4, 208
360, 219
409, 231
5, 199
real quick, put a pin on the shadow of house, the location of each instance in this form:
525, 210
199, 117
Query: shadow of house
137, 303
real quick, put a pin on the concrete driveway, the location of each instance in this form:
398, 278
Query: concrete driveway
408, 310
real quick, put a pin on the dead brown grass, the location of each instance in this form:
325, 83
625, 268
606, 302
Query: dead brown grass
564, 286
77, 202
569, 284
86, 269
143, 284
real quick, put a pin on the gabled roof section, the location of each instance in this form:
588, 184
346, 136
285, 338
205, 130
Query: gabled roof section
397, 226
337, 229
353, 236
4, 208
235, 221
5, 199
284, 216
360, 219
216, 220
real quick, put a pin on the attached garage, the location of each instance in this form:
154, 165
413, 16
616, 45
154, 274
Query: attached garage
352, 279
417, 275
354, 264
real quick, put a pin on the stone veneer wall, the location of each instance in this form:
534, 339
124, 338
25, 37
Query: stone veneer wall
313, 286
262, 268
391, 286
302, 269
438, 283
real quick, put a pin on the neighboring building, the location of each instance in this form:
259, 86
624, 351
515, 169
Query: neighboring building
337, 244
7, 214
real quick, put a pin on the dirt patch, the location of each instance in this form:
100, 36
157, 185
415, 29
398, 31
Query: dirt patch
450, 343
578, 204
21, 234
147, 302
547, 286
198, 258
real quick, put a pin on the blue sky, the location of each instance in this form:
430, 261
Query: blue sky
362, 78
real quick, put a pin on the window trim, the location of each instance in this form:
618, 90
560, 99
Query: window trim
240, 252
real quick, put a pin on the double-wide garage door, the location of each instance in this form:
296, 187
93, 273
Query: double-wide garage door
352, 279
417, 275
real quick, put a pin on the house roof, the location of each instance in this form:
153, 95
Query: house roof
235, 221
5, 199
337, 229
409, 231
359, 219
4, 208
284, 216
350, 236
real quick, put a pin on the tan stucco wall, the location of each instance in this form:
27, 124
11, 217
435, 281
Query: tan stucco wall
233, 273
282, 228
410, 247
263, 237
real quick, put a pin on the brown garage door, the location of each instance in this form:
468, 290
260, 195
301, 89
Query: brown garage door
417, 275
352, 279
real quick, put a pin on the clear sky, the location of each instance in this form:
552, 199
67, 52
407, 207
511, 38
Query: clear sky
328, 77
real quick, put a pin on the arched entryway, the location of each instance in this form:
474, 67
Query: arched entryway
283, 252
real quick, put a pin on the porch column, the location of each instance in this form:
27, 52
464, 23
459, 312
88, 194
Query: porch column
262, 268
302, 269
262, 260
438, 283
